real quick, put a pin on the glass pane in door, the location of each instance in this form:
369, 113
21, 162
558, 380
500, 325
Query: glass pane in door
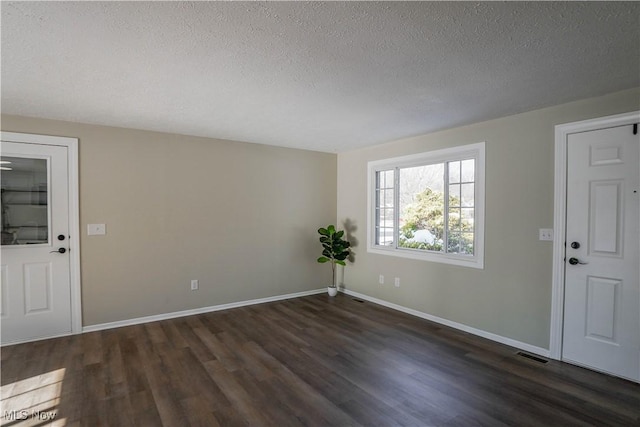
25, 213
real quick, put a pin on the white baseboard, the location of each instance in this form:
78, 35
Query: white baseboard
173, 315
64, 334
484, 334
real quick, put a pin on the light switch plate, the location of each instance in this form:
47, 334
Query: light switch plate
96, 229
545, 233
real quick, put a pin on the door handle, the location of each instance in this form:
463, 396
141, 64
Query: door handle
575, 261
60, 251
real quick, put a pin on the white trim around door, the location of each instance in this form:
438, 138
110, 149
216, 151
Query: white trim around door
560, 211
74, 213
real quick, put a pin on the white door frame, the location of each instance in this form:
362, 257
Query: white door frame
560, 211
74, 213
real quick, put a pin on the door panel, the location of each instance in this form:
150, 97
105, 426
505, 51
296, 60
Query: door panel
602, 308
602, 291
36, 290
605, 211
37, 287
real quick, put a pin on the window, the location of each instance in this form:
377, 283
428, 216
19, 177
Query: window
429, 206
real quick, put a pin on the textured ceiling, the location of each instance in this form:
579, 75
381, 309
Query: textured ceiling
327, 76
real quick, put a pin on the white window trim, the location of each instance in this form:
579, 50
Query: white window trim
476, 151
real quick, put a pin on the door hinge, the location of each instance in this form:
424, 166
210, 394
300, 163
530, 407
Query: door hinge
635, 128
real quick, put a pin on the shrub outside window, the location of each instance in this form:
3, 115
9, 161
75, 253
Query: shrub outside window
429, 206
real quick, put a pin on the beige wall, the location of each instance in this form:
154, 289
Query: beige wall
241, 218
511, 297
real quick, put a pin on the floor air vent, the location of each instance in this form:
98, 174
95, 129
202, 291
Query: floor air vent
357, 300
532, 357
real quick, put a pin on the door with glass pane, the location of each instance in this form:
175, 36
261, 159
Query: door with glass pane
35, 288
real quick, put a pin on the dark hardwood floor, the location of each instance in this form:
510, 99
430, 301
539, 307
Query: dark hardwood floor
308, 361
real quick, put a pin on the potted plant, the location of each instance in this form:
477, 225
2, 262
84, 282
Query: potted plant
334, 250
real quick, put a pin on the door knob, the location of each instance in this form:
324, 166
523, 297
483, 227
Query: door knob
575, 245
575, 261
60, 251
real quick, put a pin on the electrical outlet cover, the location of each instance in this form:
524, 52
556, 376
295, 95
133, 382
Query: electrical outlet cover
96, 229
545, 234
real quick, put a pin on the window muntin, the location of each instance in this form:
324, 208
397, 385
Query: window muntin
430, 206
385, 211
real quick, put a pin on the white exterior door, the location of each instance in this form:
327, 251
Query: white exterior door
602, 292
36, 264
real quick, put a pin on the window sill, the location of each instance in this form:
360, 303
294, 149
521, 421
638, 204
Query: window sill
463, 261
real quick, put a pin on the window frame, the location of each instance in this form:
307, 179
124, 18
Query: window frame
474, 151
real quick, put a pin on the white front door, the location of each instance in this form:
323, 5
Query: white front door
35, 291
602, 292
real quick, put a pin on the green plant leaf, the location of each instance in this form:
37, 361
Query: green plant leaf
334, 247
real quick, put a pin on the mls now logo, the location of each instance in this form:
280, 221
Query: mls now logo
16, 415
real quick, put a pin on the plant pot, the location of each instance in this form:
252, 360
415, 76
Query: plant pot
332, 291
